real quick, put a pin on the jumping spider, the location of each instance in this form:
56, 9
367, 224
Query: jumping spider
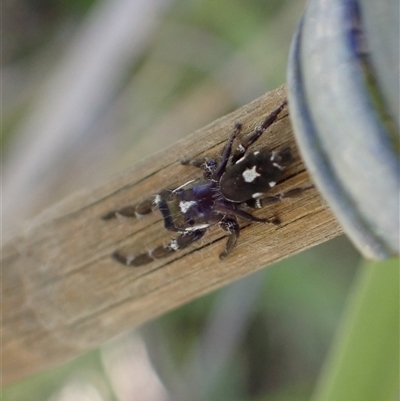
226, 189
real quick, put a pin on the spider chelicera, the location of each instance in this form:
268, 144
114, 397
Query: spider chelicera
229, 186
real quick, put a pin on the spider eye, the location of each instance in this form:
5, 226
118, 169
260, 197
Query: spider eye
190, 221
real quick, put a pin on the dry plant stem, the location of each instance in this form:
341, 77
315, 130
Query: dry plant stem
63, 294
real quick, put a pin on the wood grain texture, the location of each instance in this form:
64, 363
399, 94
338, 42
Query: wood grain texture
63, 294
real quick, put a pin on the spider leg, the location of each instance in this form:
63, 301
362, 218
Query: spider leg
220, 169
194, 162
186, 238
250, 139
262, 202
162, 251
138, 210
132, 260
208, 165
229, 224
228, 209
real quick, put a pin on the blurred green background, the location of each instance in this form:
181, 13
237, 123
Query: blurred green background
90, 88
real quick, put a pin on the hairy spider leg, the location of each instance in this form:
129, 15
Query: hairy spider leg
212, 170
162, 251
207, 164
194, 162
220, 169
229, 224
232, 210
268, 200
138, 210
250, 139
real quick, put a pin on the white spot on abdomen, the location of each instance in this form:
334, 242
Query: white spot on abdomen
272, 184
278, 166
250, 174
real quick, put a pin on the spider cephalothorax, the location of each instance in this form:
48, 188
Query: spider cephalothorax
227, 188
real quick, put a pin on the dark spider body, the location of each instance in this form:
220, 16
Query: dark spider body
235, 183
190, 208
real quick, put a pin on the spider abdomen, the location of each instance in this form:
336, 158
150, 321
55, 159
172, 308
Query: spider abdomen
254, 174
